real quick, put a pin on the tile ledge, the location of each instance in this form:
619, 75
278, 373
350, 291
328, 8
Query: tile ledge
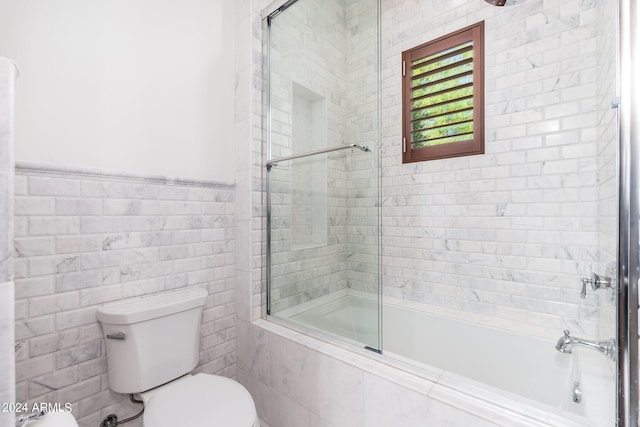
47, 169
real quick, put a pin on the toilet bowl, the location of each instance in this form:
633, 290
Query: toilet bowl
152, 346
199, 400
52, 419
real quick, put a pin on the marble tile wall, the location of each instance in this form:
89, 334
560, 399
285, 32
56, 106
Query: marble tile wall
248, 127
85, 239
308, 259
7, 362
298, 381
345, 81
363, 127
8, 76
454, 230
507, 234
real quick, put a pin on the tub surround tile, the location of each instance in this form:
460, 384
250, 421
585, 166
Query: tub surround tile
339, 394
387, 404
372, 392
253, 351
275, 408
293, 370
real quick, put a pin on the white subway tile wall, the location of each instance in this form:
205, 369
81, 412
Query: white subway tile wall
506, 235
325, 217
510, 233
85, 241
308, 110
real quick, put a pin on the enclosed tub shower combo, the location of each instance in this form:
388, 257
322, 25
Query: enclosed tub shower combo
509, 274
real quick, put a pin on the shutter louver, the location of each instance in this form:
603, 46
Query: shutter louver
442, 97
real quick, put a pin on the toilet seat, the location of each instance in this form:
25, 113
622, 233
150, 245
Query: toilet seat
199, 400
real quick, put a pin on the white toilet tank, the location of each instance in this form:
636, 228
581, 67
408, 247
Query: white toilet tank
152, 340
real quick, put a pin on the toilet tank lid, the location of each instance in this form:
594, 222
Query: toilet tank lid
145, 308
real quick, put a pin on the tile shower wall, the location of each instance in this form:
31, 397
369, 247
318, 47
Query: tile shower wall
307, 114
543, 110
507, 234
83, 240
331, 196
363, 189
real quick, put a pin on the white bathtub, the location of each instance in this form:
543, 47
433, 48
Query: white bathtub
507, 365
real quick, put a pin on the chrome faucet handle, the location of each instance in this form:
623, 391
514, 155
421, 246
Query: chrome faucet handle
567, 333
583, 292
597, 282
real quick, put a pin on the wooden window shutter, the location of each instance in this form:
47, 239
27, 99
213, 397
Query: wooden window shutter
443, 97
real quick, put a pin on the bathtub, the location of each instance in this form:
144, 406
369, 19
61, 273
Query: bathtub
510, 369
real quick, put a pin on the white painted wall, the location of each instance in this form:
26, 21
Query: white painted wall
142, 86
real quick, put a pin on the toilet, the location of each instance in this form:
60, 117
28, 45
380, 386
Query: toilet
152, 346
52, 419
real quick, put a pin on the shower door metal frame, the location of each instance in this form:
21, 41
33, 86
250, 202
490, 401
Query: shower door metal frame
628, 396
267, 15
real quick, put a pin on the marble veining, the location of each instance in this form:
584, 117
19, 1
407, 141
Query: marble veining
8, 76
84, 239
522, 223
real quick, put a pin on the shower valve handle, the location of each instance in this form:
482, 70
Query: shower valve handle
583, 292
597, 282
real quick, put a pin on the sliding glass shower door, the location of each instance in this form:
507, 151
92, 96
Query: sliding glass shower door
323, 173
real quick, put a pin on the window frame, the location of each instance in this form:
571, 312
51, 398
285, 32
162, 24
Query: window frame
474, 33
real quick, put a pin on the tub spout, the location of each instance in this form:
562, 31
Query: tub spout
566, 343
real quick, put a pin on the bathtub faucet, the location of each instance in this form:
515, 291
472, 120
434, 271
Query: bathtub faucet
567, 342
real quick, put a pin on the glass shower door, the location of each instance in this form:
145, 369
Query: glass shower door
323, 175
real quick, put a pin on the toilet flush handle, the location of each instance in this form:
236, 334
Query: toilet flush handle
117, 336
